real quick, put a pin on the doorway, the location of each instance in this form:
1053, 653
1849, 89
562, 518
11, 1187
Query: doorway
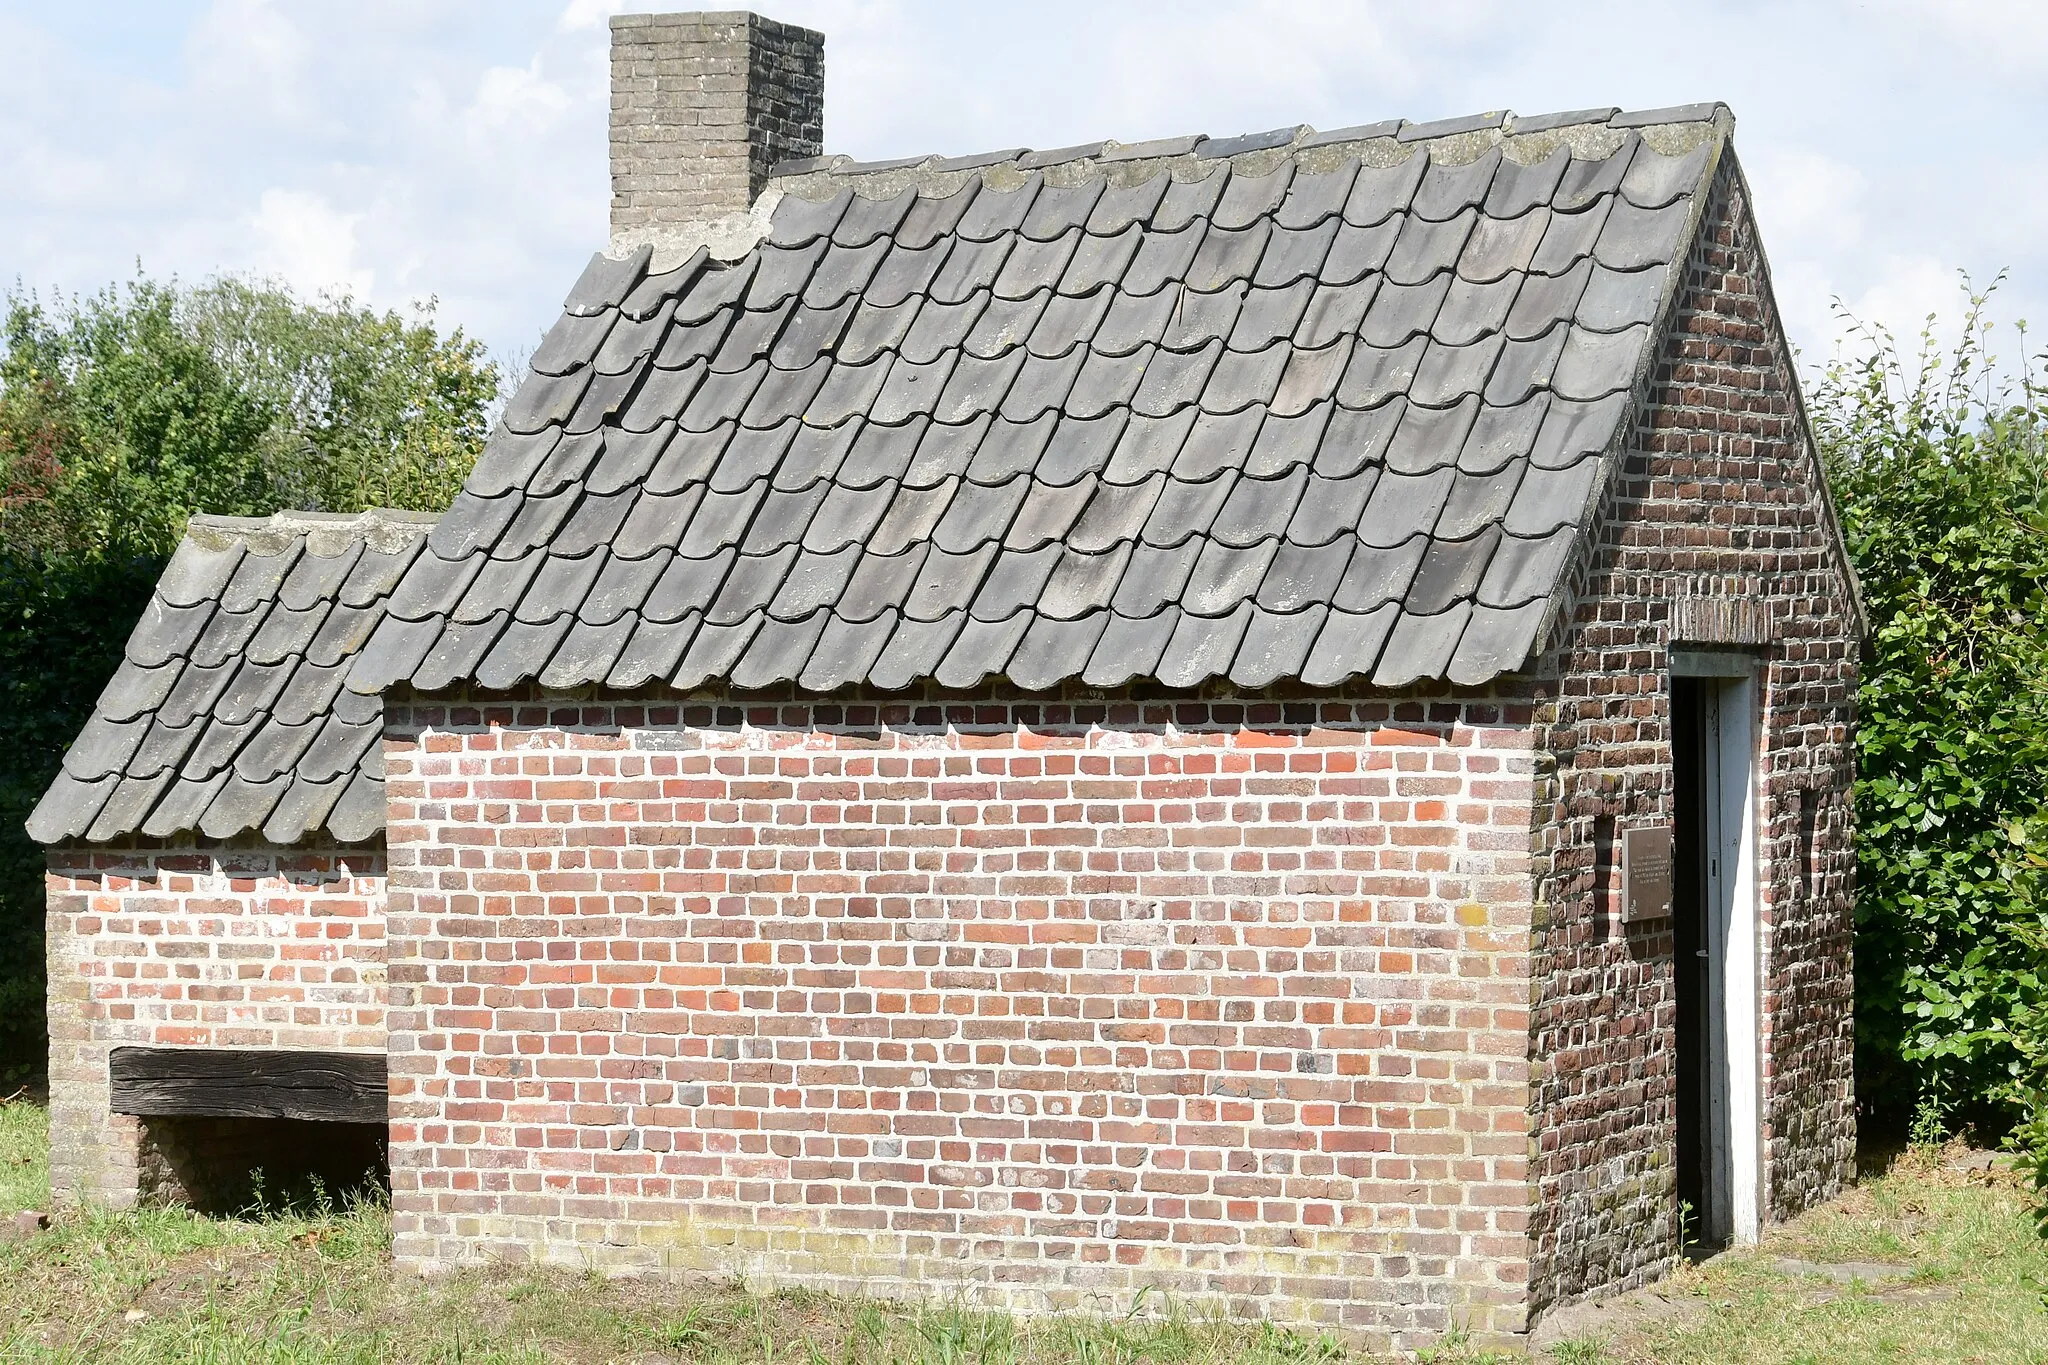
1714, 927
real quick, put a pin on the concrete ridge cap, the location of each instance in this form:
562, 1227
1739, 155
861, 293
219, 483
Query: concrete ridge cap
1454, 140
650, 19
328, 533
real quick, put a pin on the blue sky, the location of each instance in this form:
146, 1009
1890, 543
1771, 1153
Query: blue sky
411, 148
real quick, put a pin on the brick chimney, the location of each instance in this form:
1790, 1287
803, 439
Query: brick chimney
703, 105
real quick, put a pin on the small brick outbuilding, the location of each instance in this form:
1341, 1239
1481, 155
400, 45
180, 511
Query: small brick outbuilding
1267, 717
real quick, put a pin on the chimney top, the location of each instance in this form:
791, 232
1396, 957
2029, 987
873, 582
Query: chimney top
703, 106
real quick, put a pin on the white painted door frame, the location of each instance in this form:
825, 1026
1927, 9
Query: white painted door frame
1734, 950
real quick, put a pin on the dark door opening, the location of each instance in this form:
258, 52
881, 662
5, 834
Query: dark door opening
1715, 971
1689, 970
249, 1167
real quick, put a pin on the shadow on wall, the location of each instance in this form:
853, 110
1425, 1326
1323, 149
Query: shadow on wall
235, 1165
995, 711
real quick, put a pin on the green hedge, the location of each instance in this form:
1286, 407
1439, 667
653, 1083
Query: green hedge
61, 630
1939, 468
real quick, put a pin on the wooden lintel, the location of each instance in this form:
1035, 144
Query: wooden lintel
335, 1087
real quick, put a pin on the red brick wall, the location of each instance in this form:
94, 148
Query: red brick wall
1719, 502
1052, 1001
201, 945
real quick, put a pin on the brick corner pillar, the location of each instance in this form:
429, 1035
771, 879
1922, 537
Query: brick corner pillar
95, 1154
703, 108
420, 1012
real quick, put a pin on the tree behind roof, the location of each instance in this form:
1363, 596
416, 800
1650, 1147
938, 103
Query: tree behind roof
124, 412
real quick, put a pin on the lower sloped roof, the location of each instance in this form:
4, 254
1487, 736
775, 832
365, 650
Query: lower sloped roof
228, 711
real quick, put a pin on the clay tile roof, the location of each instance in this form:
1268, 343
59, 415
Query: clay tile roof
1320, 406
228, 712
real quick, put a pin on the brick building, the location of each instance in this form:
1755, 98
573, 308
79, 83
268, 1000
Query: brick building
1265, 717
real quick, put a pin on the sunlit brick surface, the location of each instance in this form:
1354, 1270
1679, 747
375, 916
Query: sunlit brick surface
1053, 1000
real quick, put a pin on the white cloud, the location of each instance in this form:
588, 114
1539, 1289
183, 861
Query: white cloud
1906, 292
249, 54
409, 147
582, 14
301, 238
2007, 36
515, 99
1810, 196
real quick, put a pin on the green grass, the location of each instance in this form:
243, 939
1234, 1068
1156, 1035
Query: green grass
1975, 1294
316, 1286
24, 1157
167, 1285
1979, 1267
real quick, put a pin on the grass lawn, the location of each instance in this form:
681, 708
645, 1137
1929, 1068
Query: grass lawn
167, 1285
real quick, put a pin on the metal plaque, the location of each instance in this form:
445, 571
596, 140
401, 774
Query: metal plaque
1645, 873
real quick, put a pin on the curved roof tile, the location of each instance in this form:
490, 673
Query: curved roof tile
227, 714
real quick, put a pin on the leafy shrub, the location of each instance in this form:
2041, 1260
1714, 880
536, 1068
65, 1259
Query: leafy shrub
1939, 468
121, 415
2028, 1095
62, 624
